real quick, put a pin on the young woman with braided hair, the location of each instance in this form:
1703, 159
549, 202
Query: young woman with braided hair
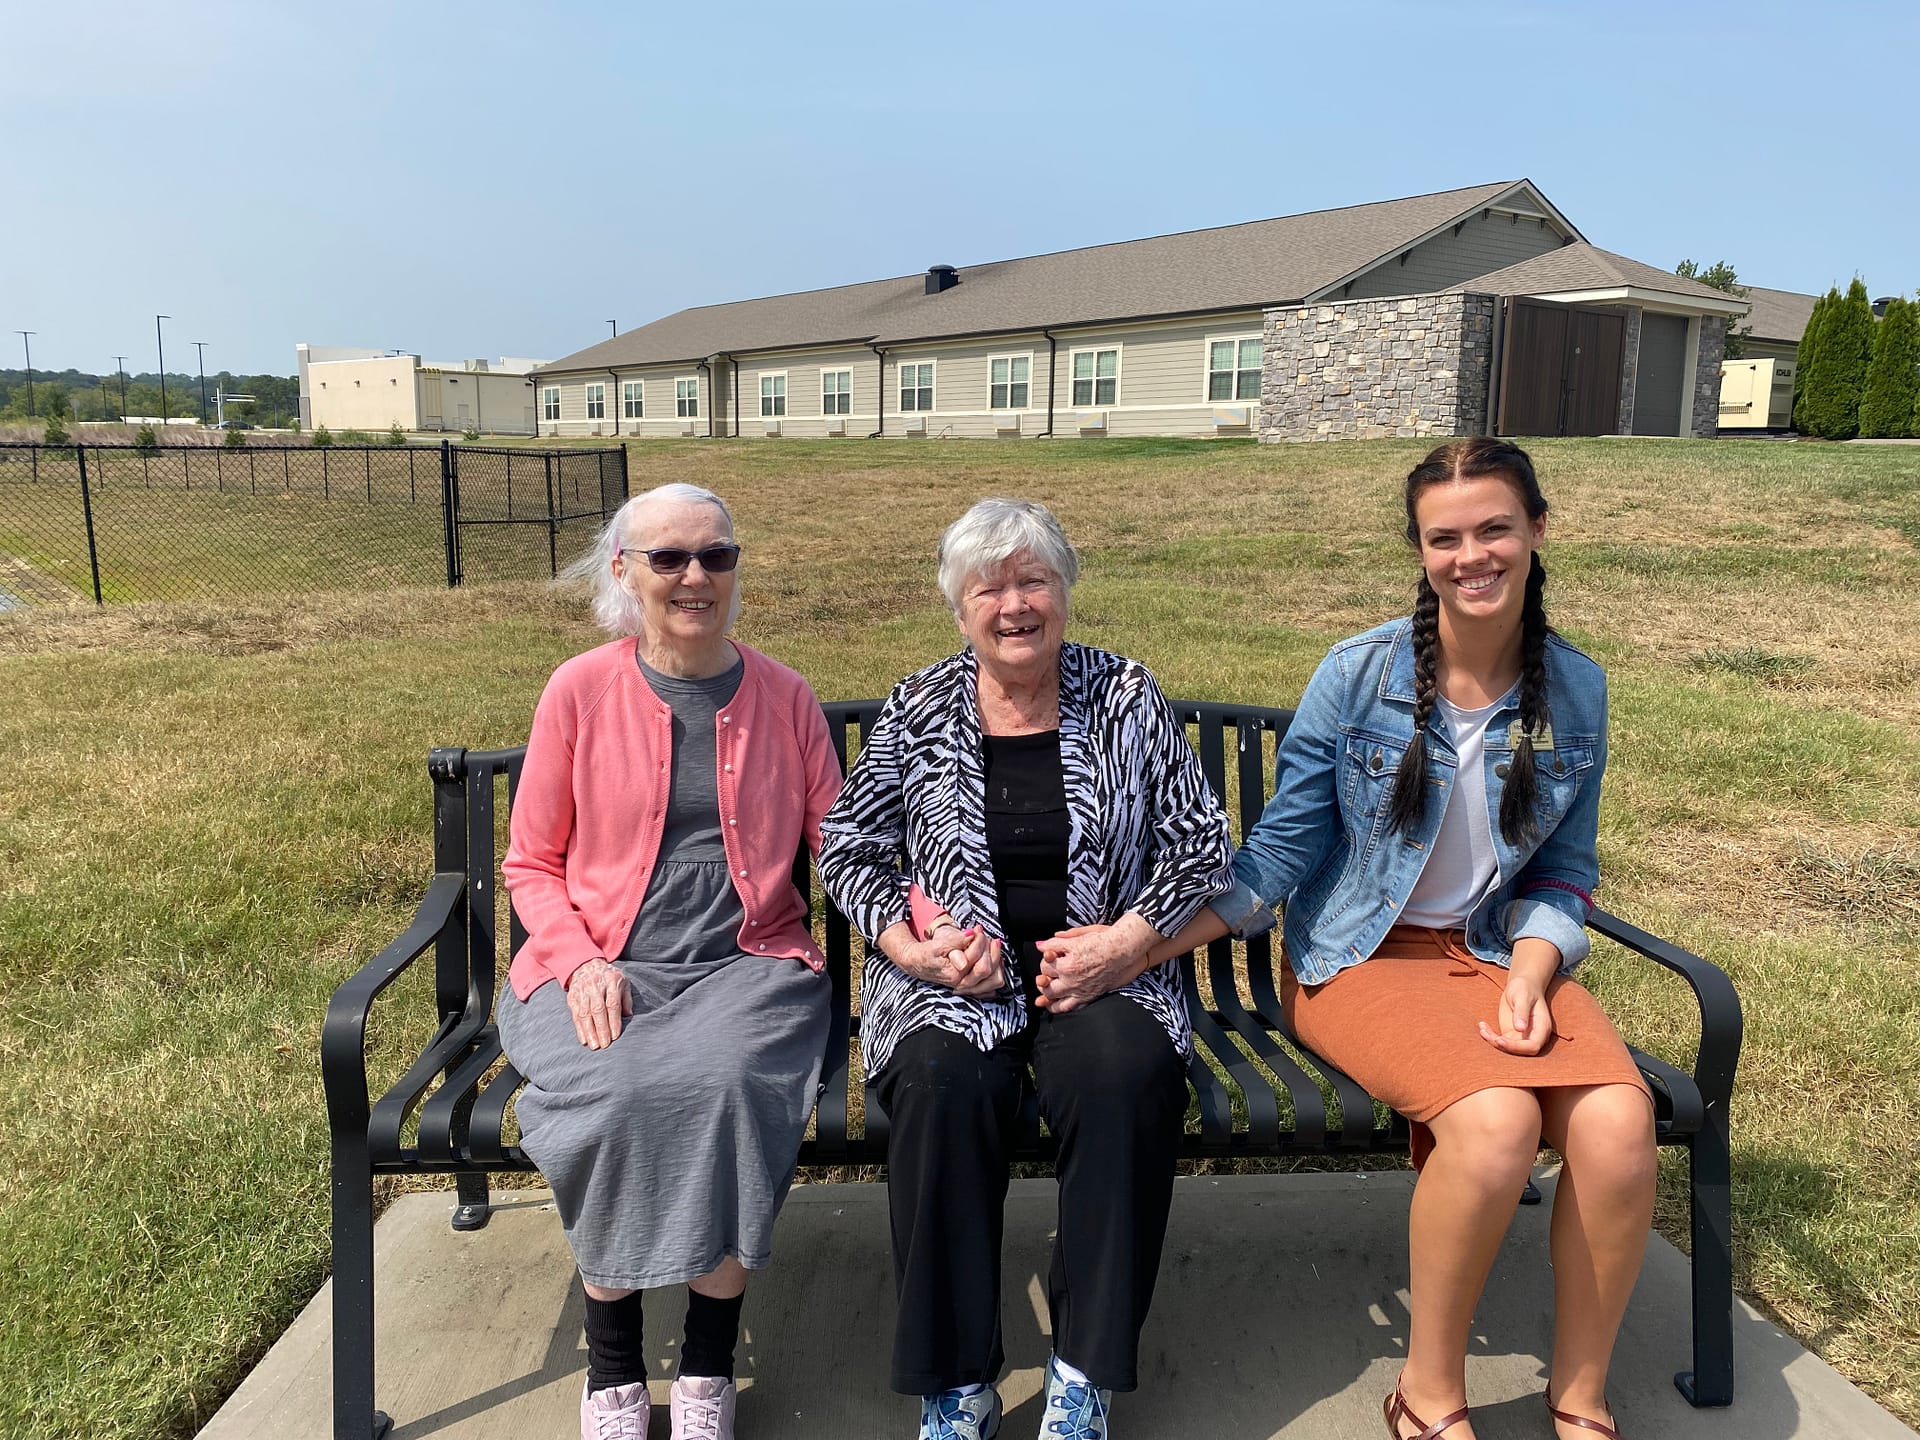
1436, 897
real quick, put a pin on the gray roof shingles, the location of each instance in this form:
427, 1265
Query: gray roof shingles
1232, 267
1777, 314
1581, 266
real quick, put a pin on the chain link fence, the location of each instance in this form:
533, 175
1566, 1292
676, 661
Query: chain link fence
108, 523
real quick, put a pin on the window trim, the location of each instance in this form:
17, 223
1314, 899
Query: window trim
1119, 370
846, 394
767, 377
899, 368
634, 406
680, 398
1011, 409
1207, 371
550, 404
587, 387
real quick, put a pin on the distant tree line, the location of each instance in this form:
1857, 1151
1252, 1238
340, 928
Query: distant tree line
73, 396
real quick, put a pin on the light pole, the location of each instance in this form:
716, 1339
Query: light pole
121, 361
23, 334
161, 345
201, 347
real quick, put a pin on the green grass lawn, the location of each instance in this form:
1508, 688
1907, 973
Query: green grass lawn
213, 812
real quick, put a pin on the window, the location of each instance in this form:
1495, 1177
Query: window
1007, 381
686, 398
633, 400
916, 386
836, 392
773, 395
1096, 377
550, 402
1233, 368
596, 402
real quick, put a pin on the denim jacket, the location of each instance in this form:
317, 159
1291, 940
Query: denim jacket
1323, 846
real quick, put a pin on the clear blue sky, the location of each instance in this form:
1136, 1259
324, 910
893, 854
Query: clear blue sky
486, 179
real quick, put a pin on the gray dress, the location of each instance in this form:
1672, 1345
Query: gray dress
673, 1148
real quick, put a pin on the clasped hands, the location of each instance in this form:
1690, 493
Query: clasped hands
1077, 965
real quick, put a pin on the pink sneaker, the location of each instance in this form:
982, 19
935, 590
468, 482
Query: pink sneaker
618, 1413
703, 1408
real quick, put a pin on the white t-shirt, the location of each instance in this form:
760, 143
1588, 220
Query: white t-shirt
1461, 868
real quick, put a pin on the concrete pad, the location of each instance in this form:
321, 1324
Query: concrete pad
1281, 1311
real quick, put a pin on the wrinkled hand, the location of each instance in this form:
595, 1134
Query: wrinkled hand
1080, 965
963, 961
598, 998
1526, 1024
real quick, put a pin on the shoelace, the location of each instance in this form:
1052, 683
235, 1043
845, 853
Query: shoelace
620, 1424
702, 1418
946, 1409
1086, 1417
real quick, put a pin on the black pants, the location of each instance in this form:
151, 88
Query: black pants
1113, 1090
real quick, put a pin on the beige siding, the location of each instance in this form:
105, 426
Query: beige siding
803, 370
1482, 246
661, 418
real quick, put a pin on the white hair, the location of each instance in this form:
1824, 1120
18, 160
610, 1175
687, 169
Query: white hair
994, 531
614, 607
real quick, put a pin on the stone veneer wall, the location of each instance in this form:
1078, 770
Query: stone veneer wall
1706, 377
1364, 369
1629, 370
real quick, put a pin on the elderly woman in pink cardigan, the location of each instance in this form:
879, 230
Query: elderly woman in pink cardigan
668, 1007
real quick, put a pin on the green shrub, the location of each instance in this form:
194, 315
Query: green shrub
322, 436
145, 439
1893, 376
57, 430
470, 434
1810, 341
234, 440
396, 436
1836, 371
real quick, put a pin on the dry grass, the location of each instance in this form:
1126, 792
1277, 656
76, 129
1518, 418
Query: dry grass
212, 813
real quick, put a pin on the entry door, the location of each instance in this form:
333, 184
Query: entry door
1657, 390
1560, 372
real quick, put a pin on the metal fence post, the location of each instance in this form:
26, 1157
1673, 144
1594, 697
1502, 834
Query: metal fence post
413, 494
450, 511
86, 509
553, 534
219, 472
324, 484
186, 468
367, 454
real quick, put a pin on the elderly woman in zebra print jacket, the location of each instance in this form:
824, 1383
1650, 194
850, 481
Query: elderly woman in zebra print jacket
1045, 796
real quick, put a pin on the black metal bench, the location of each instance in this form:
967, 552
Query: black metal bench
1257, 1092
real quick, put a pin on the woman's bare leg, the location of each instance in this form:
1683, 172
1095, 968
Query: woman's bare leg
1483, 1151
1602, 1211
723, 1283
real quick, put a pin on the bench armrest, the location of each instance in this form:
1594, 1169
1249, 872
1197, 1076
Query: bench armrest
1720, 1017
343, 1035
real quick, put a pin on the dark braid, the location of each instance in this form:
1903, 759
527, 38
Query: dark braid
1517, 821
1409, 805
1470, 460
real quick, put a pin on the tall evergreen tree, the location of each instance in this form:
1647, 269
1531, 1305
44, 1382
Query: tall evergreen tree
1837, 369
1893, 377
1810, 342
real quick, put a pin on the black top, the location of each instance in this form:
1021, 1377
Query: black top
1027, 834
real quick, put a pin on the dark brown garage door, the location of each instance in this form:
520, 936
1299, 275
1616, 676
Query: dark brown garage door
1560, 372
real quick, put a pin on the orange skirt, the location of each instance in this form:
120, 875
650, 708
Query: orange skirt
1405, 1024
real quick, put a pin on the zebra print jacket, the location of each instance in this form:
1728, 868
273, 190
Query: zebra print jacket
1145, 834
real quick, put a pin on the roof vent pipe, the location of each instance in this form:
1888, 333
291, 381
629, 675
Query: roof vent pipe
941, 277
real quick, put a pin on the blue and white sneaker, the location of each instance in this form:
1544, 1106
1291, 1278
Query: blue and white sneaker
951, 1415
1075, 1410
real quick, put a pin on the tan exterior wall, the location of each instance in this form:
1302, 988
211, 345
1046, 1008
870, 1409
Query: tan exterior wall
659, 416
1162, 388
453, 401
370, 395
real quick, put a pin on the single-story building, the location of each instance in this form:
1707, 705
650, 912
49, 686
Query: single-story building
1773, 327
1438, 314
346, 388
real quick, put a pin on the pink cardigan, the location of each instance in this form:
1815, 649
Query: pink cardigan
592, 804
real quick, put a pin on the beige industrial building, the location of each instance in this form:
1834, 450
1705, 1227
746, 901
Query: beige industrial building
1437, 314
373, 390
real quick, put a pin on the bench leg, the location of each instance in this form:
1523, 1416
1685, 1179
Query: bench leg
1710, 1382
474, 1205
354, 1417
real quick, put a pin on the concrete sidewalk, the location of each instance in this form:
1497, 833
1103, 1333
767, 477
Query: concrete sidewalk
1280, 1312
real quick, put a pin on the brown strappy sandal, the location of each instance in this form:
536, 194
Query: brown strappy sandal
1395, 1409
1580, 1420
